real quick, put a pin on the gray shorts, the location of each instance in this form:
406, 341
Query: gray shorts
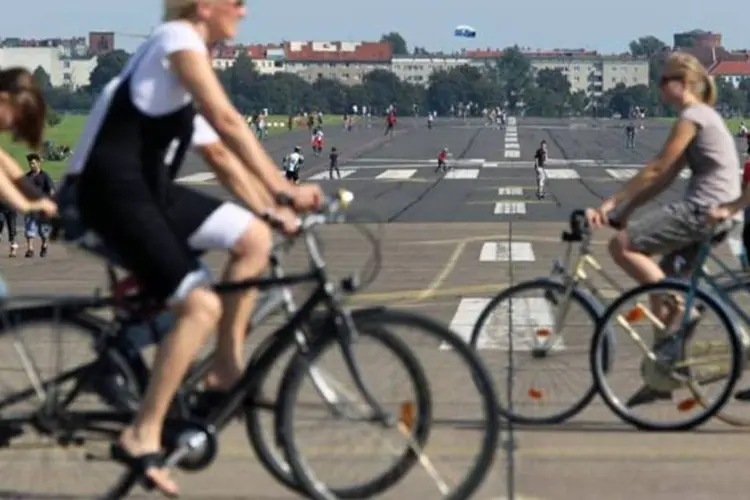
675, 231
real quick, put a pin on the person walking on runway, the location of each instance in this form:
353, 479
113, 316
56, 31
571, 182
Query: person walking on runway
540, 159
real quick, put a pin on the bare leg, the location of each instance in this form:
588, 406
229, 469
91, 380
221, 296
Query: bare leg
197, 315
249, 259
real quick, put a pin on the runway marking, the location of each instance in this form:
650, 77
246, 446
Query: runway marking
565, 173
506, 252
522, 318
444, 273
527, 237
462, 174
514, 208
490, 164
623, 174
197, 178
510, 191
510, 208
345, 172
397, 174
512, 154
512, 145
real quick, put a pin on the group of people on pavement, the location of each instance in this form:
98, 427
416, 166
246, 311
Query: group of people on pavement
121, 185
33, 227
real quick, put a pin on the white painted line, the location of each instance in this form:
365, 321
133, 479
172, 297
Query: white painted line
462, 173
622, 173
511, 137
323, 176
199, 177
510, 191
562, 173
397, 173
512, 145
474, 161
506, 252
512, 154
510, 208
521, 317
490, 164
511, 134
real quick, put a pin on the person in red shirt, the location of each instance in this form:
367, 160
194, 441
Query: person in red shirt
442, 160
390, 122
746, 227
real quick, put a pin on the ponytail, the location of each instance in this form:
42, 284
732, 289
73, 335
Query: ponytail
710, 93
29, 104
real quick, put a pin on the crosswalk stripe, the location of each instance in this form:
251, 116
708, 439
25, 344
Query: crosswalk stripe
522, 318
562, 173
517, 251
510, 191
462, 173
397, 173
345, 172
510, 208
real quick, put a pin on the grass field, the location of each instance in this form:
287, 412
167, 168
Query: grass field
70, 129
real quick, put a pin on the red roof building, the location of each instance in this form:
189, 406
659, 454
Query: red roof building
338, 52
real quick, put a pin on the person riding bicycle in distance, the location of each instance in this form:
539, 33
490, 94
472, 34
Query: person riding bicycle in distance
700, 140
123, 176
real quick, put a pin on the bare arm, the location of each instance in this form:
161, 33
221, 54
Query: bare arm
11, 182
195, 72
665, 166
244, 185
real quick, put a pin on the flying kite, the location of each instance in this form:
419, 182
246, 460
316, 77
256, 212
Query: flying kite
465, 31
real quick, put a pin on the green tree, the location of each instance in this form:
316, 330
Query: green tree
107, 67
647, 46
551, 94
398, 43
514, 76
42, 79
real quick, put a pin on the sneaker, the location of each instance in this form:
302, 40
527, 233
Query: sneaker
43, 251
13, 250
29, 254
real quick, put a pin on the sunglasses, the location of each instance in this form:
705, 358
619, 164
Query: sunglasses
670, 78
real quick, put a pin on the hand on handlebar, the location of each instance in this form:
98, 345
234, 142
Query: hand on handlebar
718, 214
596, 218
307, 197
287, 221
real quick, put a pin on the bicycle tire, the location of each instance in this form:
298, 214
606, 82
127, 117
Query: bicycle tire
591, 308
729, 287
64, 315
663, 287
383, 318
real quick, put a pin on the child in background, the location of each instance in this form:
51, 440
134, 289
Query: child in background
334, 157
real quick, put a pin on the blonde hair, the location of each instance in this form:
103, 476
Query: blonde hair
178, 9
696, 76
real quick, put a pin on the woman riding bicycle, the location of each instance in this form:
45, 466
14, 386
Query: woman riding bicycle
700, 140
23, 114
123, 178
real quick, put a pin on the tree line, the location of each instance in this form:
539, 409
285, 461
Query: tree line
509, 82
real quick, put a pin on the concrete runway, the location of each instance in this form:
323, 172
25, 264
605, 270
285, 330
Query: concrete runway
447, 249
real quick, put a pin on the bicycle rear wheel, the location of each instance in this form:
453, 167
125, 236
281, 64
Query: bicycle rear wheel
413, 415
54, 443
541, 337
667, 370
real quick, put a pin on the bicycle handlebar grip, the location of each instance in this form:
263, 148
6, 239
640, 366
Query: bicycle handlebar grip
615, 224
578, 222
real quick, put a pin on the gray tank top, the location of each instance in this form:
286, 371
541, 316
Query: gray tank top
712, 158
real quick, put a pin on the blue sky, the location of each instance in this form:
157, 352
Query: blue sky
593, 24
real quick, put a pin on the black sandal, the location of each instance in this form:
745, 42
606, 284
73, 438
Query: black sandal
140, 464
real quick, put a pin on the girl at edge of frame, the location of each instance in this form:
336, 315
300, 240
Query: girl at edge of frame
23, 113
700, 140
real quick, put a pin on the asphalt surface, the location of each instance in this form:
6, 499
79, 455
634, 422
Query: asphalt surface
445, 253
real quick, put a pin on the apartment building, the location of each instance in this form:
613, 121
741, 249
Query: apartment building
68, 61
418, 69
347, 62
586, 71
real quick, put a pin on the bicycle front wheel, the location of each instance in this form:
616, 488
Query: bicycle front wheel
535, 337
670, 376
322, 468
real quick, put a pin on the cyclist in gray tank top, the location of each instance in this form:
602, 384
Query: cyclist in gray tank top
699, 140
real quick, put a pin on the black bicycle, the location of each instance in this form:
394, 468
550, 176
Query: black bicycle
47, 404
